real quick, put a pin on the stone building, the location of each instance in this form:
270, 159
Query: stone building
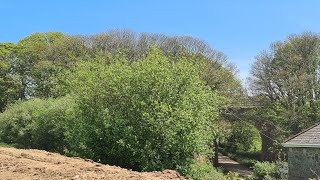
304, 154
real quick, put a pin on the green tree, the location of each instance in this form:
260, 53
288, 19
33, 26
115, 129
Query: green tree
9, 86
41, 61
152, 114
216, 71
286, 79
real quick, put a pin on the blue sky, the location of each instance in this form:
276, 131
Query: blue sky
240, 29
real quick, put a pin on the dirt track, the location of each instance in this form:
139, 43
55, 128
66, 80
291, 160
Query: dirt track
37, 165
230, 165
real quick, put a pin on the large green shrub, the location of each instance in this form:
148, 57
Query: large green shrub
149, 115
15, 122
201, 171
36, 123
263, 170
282, 170
266, 170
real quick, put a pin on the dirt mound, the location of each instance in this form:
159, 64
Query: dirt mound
36, 164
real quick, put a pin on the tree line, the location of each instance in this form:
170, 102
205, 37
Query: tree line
149, 101
285, 81
33, 66
140, 101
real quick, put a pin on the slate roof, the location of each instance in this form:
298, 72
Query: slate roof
307, 138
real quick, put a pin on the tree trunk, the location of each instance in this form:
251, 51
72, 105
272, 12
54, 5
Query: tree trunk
22, 90
267, 143
216, 153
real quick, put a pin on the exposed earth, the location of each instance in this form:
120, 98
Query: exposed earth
37, 165
230, 165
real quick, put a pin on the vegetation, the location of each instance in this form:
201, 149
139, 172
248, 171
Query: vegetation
284, 80
115, 97
243, 137
149, 115
149, 102
243, 143
115, 107
245, 158
37, 123
267, 170
263, 170
5, 145
202, 170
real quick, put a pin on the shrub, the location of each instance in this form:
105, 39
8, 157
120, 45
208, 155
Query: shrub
282, 170
201, 171
152, 114
36, 123
49, 125
16, 122
267, 170
232, 176
263, 170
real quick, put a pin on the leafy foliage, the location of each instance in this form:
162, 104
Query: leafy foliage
244, 137
263, 169
282, 170
285, 80
202, 171
34, 67
36, 123
152, 114
8, 84
267, 170
128, 104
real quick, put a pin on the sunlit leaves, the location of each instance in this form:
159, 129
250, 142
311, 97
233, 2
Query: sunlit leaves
152, 114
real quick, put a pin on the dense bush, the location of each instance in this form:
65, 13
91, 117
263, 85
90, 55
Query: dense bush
149, 115
36, 123
243, 143
282, 170
201, 171
267, 170
262, 169
152, 114
244, 137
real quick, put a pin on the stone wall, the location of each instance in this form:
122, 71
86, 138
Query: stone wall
302, 161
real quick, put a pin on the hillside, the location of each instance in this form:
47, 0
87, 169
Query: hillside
37, 164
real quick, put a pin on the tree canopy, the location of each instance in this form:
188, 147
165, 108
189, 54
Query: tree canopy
151, 114
141, 101
287, 77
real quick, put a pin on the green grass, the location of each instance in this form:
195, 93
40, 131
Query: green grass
5, 145
245, 158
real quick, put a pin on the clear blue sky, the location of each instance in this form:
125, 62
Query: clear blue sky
240, 29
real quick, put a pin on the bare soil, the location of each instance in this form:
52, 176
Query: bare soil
230, 165
37, 164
